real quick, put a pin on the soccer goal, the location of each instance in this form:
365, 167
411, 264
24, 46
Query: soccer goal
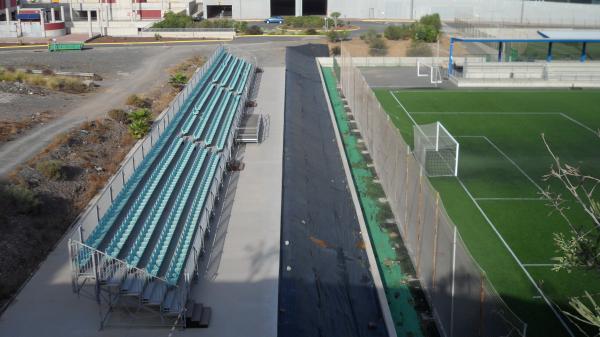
433, 71
436, 150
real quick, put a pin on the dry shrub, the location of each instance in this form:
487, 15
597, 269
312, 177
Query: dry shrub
138, 101
119, 115
47, 80
94, 183
51, 169
21, 198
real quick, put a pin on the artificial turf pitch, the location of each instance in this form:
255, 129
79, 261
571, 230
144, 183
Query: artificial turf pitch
496, 195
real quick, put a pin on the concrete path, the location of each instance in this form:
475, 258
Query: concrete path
241, 281
144, 77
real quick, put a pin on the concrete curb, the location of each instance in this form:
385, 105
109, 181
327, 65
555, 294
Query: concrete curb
385, 308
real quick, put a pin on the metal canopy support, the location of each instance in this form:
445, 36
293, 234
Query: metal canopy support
549, 55
583, 52
451, 57
500, 45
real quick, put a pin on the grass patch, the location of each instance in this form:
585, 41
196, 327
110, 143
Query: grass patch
49, 81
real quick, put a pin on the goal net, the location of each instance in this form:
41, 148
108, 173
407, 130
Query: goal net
436, 150
431, 70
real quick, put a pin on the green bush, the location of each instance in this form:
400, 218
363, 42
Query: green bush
338, 35
140, 122
306, 22
178, 80
22, 199
173, 20
311, 31
180, 20
378, 47
119, 115
370, 35
138, 101
139, 128
141, 114
254, 30
335, 50
432, 20
418, 48
425, 33
240, 26
397, 32
51, 169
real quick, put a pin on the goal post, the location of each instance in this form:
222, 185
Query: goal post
436, 150
429, 70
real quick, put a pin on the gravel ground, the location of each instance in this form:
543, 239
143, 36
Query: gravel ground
110, 63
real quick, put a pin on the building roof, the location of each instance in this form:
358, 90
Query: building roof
570, 34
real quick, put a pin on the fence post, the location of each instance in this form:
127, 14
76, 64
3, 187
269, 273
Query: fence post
481, 302
97, 212
420, 211
435, 237
406, 194
111, 193
453, 279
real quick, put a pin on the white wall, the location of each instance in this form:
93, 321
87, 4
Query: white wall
485, 10
248, 9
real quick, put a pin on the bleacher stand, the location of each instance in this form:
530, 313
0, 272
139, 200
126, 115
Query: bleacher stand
147, 244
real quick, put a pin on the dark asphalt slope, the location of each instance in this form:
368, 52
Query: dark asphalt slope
328, 290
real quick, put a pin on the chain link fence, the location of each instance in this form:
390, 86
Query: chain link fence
463, 301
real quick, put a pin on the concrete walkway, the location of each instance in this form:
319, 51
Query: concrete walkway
242, 274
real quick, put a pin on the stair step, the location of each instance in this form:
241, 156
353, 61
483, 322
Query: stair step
205, 318
194, 316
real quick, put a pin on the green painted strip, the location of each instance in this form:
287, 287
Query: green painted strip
383, 239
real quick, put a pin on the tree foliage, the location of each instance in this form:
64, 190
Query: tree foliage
582, 248
402, 32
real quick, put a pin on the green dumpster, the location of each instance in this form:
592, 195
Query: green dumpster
60, 46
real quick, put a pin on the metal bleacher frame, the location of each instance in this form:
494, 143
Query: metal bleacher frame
106, 255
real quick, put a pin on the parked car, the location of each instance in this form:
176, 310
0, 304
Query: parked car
274, 19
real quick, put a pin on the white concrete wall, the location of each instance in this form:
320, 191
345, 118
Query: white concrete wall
486, 10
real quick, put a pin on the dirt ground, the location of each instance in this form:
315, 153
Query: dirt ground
24, 107
38, 201
33, 218
359, 48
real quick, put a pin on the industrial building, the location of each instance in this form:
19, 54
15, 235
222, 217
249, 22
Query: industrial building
485, 10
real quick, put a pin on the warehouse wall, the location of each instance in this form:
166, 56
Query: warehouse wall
248, 9
486, 10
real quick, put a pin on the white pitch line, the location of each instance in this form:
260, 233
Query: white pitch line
403, 108
509, 199
538, 265
579, 123
481, 113
564, 324
515, 164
